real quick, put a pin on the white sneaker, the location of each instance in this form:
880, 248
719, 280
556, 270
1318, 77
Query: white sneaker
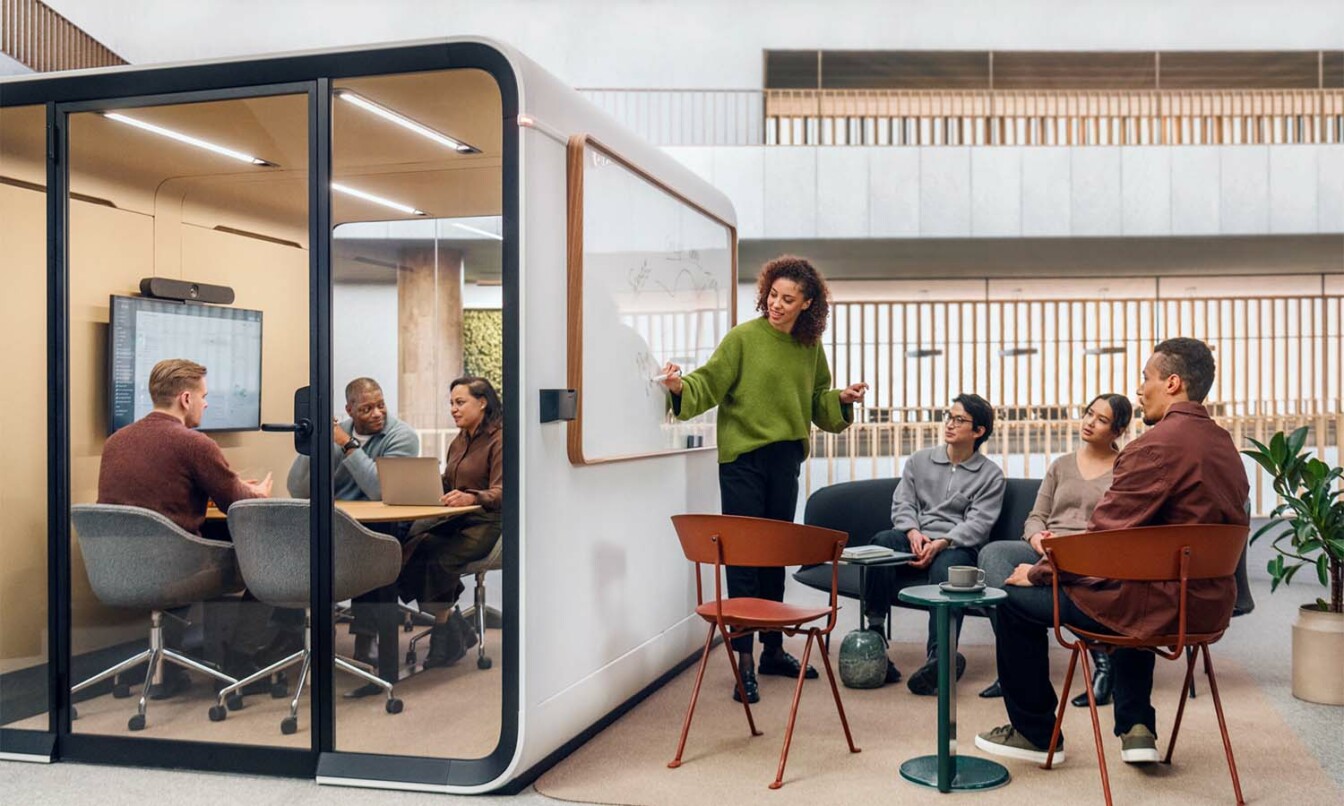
1007, 742
1138, 746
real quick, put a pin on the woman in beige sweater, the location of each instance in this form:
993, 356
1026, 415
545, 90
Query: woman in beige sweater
1072, 486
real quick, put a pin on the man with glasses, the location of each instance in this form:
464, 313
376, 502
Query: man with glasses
942, 512
369, 434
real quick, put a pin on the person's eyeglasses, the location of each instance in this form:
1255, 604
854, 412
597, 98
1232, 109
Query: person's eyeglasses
952, 419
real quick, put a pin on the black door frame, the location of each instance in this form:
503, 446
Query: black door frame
312, 74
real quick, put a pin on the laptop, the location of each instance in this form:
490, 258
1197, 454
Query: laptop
410, 480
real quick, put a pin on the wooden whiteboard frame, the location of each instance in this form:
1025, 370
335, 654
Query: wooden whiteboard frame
578, 144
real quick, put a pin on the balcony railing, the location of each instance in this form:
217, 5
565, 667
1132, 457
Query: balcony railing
980, 118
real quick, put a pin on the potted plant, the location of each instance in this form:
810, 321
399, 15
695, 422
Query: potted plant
1308, 531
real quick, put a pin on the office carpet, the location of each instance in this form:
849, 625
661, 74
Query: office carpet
452, 712
627, 763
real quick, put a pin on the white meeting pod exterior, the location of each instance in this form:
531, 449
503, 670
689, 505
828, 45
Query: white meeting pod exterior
614, 258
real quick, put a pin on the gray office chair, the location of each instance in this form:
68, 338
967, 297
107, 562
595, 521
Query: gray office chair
138, 558
270, 536
493, 561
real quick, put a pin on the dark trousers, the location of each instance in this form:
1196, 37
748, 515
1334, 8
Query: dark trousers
1023, 633
882, 583
365, 607
761, 484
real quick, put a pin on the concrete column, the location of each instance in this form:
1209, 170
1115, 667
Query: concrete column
429, 343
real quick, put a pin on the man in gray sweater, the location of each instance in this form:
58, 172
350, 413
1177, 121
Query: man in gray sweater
942, 512
360, 441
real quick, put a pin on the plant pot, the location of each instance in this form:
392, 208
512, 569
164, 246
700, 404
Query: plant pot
1318, 656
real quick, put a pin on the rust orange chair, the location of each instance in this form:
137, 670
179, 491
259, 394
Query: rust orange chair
1149, 554
723, 540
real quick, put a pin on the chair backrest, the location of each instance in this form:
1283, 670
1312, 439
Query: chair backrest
137, 557
755, 542
271, 536
1151, 553
859, 508
1019, 496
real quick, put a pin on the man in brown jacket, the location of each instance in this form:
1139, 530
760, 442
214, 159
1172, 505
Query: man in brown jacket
1184, 469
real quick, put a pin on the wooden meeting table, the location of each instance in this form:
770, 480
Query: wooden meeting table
388, 620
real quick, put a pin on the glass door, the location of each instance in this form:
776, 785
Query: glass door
187, 271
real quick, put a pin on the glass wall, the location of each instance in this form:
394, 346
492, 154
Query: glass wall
416, 305
23, 421
212, 193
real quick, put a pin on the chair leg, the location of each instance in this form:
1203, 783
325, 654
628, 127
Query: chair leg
695, 695
171, 656
835, 693
482, 662
1222, 724
132, 661
137, 722
737, 680
1190, 681
1096, 726
1059, 718
1180, 707
793, 711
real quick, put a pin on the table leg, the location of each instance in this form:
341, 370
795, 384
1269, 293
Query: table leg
389, 630
947, 701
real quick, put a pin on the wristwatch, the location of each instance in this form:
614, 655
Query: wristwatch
350, 445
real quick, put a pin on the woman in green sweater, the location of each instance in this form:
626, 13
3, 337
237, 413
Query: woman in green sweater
770, 380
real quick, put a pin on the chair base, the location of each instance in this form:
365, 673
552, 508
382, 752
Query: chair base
156, 656
969, 773
483, 661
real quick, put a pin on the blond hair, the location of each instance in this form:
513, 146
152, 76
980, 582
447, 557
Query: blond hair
171, 377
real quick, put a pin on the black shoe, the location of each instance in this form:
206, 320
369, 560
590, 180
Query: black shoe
466, 632
783, 664
365, 650
750, 686
366, 690
1102, 680
925, 679
992, 690
445, 646
175, 681
893, 674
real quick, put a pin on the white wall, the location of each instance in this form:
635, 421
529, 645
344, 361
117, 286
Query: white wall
799, 192
699, 43
364, 341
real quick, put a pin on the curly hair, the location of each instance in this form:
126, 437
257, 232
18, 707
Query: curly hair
811, 322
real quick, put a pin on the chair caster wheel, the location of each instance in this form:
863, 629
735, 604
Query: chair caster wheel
234, 701
408, 626
218, 713
394, 706
484, 663
136, 722
411, 658
74, 713
289, 725
121, 690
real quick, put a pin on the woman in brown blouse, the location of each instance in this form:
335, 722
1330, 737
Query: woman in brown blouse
474, 475
1072, 486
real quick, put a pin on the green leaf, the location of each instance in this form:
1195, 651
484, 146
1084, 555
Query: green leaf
1297, 440
1323, 604
1323, 569
1278, 448
1259, 533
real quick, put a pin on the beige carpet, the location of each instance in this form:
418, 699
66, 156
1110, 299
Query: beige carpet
453, 712
627, 763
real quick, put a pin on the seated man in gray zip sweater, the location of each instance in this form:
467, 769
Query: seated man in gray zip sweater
360, 441
942, 512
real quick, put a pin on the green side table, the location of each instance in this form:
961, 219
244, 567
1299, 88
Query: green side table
947, 771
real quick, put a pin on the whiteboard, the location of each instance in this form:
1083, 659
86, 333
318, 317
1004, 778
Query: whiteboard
652, 279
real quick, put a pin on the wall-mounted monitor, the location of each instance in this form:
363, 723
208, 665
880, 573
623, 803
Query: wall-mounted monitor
226, 340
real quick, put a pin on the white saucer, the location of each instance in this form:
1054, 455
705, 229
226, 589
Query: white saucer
948, 587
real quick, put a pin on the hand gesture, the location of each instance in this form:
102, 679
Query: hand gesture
338, 435
672, 378
458, 498
931, 550
1035, 540
261, 489
1019, 576
853, 393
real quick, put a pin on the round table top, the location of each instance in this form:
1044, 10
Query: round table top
935, 596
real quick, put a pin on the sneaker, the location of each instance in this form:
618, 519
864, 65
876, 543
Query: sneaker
1138, 746
925, 679
1007, 742
750, 686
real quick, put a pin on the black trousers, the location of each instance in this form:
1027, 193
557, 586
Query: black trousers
880, 589
761, 484
1024, 632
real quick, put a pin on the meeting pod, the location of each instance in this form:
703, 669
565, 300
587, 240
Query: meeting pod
345, 457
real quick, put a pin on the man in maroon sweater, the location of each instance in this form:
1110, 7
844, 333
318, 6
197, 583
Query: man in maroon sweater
1183, 469
159, 462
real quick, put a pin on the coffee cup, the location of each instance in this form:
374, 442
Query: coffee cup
965, 576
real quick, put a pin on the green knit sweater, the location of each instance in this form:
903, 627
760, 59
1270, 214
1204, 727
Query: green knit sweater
768, 388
